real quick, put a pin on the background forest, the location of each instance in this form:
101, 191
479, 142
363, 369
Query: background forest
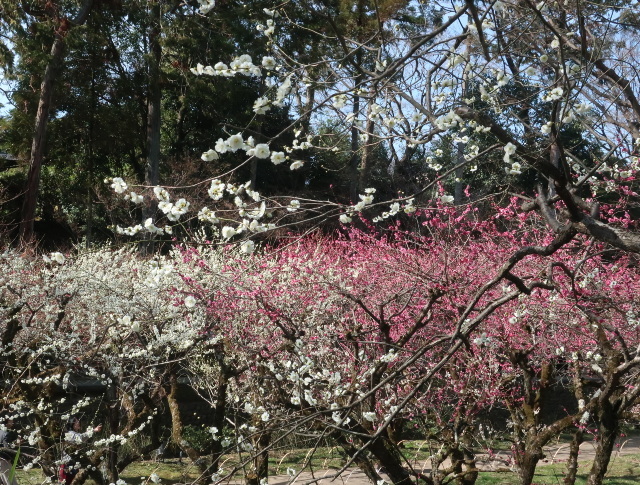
112, 94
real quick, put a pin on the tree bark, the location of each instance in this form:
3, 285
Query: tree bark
152, 175
607, 433
572, 461
42, 118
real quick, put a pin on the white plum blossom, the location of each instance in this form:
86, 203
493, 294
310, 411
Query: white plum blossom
582, 108
248, 247
207, 215
509, 149
261, 151
366, 199
210, 155
516, 169
206, 6
228, 232
161, 194
446, 199
235, 142
221, 146
216, 191
135, 198
283, 91
294, 205
269, 63
369, 416
409, 207
553, 95
151, 227
190, 301
278, 157
339, 101
296, 165
270, 28
261, 105
57, 257
345, 219
119, 186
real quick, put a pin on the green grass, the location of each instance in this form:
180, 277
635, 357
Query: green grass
623, 470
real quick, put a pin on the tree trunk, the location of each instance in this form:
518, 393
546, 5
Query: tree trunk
361, 461
354, 160
367, 155
176, 423
458, 188
152, 175
391, 462
527, 467
219, 421
261, 460
42, 118
572, 461
113, 414
608, 431
154, 98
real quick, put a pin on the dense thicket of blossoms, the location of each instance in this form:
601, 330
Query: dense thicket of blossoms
349, 339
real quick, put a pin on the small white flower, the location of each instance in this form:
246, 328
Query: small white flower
228, 232
261, 151
261, 106
161, 194
235, 142
446, 199
190, 301
339, 101
210, 155
296, 165
136, 198
154, 478
345, 219
371, 417
57, 257
510, 148
278, 157
294, 205
269, 63
119, 185
248, 246
516, 169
